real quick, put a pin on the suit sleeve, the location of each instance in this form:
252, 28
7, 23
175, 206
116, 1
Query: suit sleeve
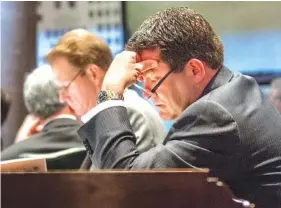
141, 128
204, 136
11, 152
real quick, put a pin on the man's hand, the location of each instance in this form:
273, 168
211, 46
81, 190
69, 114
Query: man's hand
31, 125
124, 71
121, 73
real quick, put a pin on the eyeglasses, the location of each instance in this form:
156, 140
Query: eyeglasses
151, 93
73, 79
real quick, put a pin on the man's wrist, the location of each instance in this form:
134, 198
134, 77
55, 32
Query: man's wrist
105, 95
98, 108
115, 88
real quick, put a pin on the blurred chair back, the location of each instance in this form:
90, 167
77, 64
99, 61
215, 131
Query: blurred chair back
68, 159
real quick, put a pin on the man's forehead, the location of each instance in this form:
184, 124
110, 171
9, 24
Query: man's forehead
153, 54
62, 70
61, 77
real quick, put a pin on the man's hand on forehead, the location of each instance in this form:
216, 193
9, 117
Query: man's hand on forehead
125, 70
145, 66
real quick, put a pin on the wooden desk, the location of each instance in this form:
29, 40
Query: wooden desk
112, 189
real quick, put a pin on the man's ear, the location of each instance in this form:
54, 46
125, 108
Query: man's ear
196, 69
92, 71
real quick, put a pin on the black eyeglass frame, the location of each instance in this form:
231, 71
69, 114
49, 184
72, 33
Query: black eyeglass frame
73, 79
161, 81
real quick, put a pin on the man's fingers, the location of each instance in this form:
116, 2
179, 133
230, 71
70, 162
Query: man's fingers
139, 66
140, 78
146, 65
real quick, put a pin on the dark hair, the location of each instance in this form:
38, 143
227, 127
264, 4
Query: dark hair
5, 105
181, 34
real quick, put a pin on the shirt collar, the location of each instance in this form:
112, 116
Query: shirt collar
223, 76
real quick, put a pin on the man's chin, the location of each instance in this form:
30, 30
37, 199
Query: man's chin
166, 116
79, 114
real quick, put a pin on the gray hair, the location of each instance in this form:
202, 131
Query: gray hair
41, 94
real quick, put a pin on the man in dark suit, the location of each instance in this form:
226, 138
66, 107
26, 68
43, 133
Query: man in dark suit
50, 129
222, 120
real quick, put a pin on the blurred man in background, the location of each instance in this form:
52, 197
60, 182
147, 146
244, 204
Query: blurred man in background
275, 93
79, 62
49, 131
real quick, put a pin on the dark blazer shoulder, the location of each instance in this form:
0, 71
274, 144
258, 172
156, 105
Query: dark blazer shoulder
56, 135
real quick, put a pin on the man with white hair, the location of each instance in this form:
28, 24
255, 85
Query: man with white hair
49, 131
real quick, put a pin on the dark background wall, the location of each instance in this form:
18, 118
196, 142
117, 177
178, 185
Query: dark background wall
18, 39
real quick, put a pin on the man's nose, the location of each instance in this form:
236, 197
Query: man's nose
146, 94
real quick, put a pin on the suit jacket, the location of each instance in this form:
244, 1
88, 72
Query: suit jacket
147, 125
231, 129
57, 135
